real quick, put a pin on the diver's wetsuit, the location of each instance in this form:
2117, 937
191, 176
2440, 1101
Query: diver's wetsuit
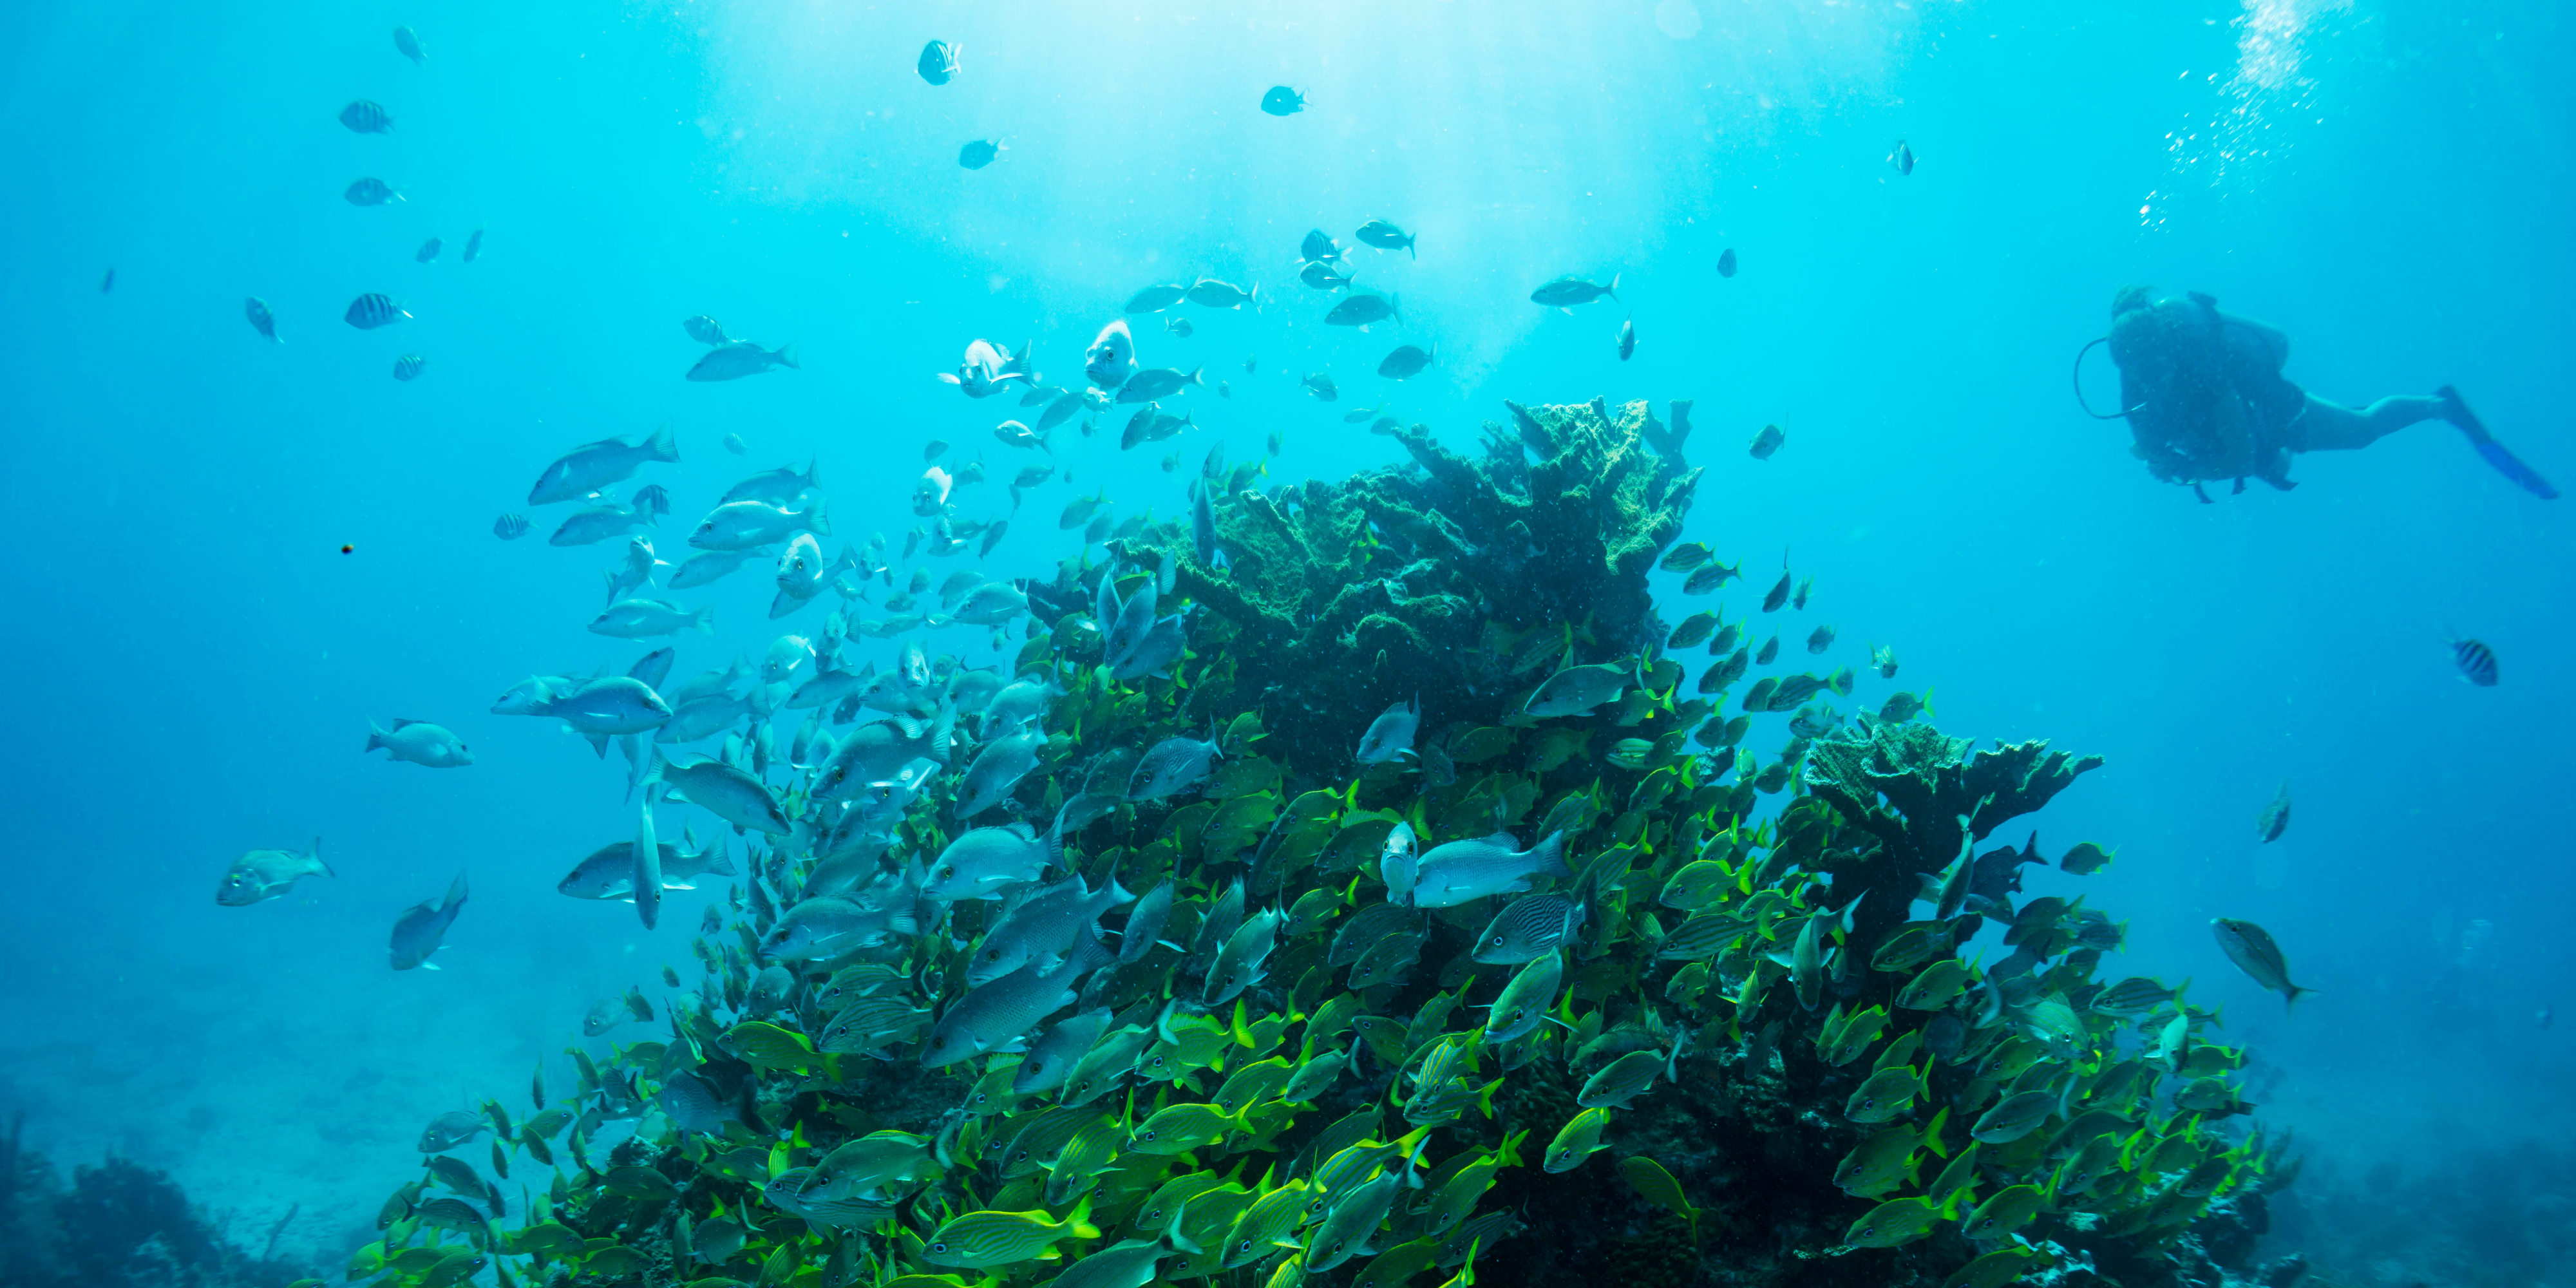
2206, 401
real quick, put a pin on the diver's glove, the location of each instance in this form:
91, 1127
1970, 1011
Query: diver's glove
2456, 410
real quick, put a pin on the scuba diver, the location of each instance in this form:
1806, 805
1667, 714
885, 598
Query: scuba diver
2205, 400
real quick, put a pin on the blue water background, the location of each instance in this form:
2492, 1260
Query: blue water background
193, 662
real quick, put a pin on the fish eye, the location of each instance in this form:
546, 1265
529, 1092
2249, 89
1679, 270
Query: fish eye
939, 1247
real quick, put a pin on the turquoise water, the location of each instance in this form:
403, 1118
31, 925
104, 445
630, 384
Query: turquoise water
196, 661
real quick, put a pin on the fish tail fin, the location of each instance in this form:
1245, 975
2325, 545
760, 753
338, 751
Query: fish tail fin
455, 893
814, 471
786, 356
661, 446
2290, 1000
315, 854
818, 517
375, 737
1550, 855
1395, 305
704, 620
1612, 290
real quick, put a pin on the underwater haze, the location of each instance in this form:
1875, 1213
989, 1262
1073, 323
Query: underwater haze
233, 555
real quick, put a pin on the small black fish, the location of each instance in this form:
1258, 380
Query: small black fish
1627, 339
1320, 384
408, 42
473, 246
1799, 600
510, 527
1283, 101
366, 116
428, 251
1317, 245
407, 367
1767, 442
1779, 594
370, 192
1770, 649
705, 330
979, 154
107, 283
1820, 639
1180, 327
1383, 234
1726, 262
372, 310
1902, 158
1407, 361
2476, 661
1319, 274
265, 322
938, 62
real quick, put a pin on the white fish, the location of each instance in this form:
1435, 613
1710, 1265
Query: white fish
987, 368
722, 790
1458, 872
802, 573
978, 864
710, 566
777, 487
997, 769
740, 525
643, 618
992, 604
592, 466
930, 492
261, 875
739, 358
1110, 359
421, 743
637, 572
1390, 736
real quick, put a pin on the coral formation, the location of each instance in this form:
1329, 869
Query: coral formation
1314, 1069
118, 1225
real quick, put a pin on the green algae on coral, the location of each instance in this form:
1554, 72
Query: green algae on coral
1713, 1019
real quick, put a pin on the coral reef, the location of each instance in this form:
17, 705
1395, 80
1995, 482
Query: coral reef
1344, 598
1712, 1046
118, 1225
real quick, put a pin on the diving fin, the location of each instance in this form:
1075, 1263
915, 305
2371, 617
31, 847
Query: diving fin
2456, 410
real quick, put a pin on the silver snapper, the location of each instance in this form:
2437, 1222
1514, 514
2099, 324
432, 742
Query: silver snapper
994, 1017
1163, 644
1461, 871
1578, 689
1390, 736
1172, 765
721, 790
777, 487
877, 752
707, 567
1395, 863
609, 871
978, 864
992, 604
1145, 925
262, 875
592, 466
1043, 927
1054, 1054
827, 927
1239, 965
421, 743
740, 525
996, 770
